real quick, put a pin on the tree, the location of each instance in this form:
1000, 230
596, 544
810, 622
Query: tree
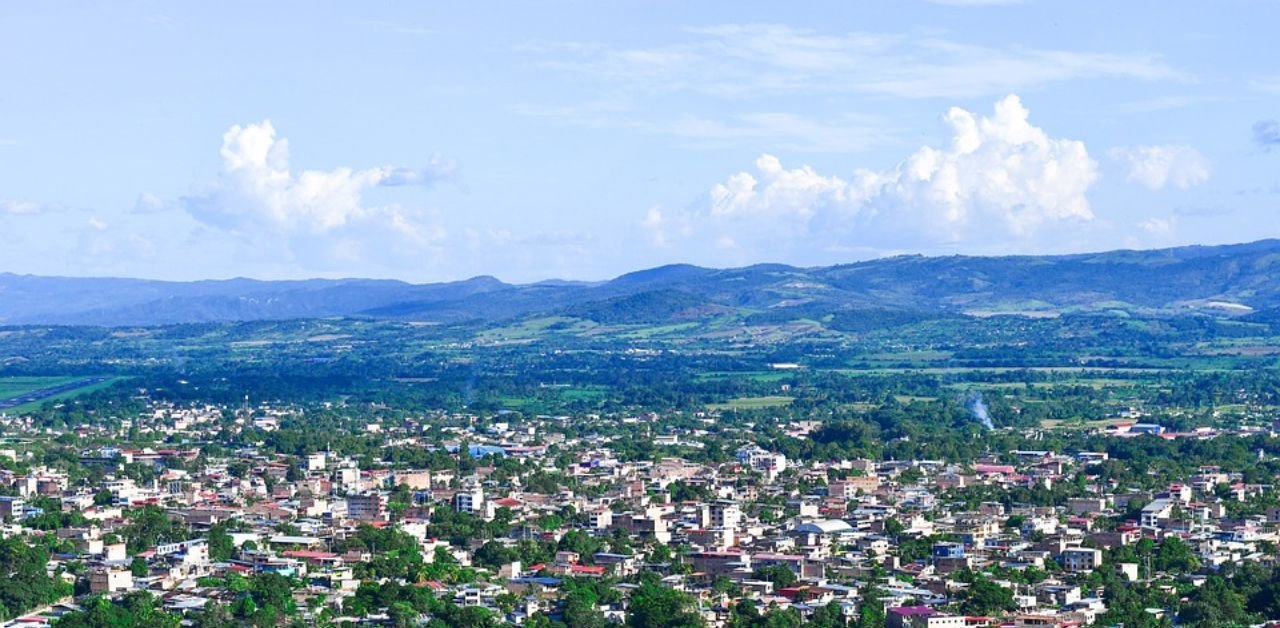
984, 597
579, 613
139, 567
745, 614
782, 618
654, 605
829, 616
1175, 555
214, 615
150, 525
494, 554
780, 575
27, 583
403, 614
135, 609
221, 545
272, 590
1215, 604
103, 498
871, 613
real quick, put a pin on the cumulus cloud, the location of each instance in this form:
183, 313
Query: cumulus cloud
999, 177
320, 215
1266, 133
257, 189
1169, 164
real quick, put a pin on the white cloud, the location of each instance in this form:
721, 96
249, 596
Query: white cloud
975, 3
798, 193
314, 220
1167, 103
653, 224
257, 190
148, 203
1158, 226
780, 129
736, 60
1000, 178
16, 208
664, 226
783, 130
1266, 84
1168, 164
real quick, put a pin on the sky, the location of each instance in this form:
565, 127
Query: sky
581, 139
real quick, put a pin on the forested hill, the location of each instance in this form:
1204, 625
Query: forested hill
1229, 280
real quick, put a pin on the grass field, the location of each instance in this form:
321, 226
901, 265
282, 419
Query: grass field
757, 376
752, 403
1080, 423
11, 387
550, 395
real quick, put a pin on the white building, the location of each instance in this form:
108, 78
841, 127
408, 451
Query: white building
761, 460
1078, 559
469, 500
1156, 512
109, 580
725, 514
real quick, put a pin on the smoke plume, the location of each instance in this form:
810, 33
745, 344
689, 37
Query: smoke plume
978, 408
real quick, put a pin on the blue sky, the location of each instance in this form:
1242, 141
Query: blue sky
530, 140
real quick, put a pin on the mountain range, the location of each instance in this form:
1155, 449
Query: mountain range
1226, 280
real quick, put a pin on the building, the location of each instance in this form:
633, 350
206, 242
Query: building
1146, 428
369, 507
725, 514
1156, 512
414, 480
719, 563
921, 617
110, 580
761, 460
469, 500
11, 507
1078, 559
1086, 505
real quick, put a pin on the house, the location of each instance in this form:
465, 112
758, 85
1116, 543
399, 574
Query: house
1077, 559
110, 580
1156, 513
921, 617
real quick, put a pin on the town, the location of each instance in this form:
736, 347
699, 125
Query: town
536, 520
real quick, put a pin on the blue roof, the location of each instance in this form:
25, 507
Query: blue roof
480, 451
544, 581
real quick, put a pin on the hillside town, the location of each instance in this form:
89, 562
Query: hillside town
517, 522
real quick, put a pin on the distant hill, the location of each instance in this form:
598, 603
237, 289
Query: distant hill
1229, 280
